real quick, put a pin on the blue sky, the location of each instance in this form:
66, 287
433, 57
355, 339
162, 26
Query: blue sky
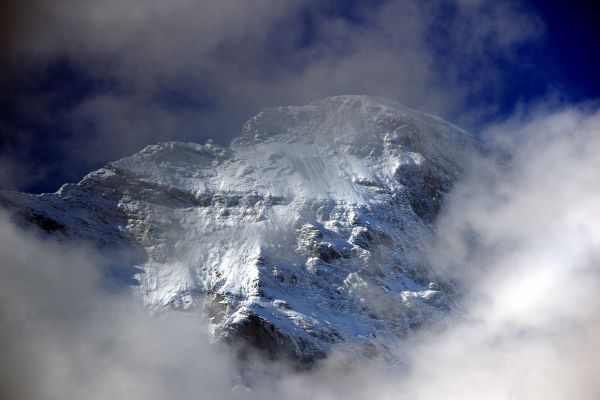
86, 82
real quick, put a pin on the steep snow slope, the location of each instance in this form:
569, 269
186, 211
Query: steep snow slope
305, 232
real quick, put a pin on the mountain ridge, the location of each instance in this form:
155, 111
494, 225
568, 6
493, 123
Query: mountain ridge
307, 232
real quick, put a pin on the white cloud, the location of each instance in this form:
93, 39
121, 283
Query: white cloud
64, 336
190, 70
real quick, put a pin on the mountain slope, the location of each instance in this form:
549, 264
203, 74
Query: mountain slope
307, 231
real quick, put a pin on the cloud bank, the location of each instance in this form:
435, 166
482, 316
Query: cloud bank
521, 234
66, 335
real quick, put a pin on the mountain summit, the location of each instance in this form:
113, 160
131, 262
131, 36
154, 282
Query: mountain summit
306, 232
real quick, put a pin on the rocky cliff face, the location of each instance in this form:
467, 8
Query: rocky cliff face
307, 231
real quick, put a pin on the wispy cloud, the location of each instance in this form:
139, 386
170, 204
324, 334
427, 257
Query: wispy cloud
151, 71
530, 260
66, 336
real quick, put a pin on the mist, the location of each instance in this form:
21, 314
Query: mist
518, 235
68, 333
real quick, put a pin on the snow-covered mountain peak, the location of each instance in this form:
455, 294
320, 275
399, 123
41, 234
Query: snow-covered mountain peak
306, 232
349, 120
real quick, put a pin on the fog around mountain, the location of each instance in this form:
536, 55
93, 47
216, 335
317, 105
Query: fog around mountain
518, 233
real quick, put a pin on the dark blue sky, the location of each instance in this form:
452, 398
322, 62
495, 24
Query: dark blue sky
73, 98
572, 48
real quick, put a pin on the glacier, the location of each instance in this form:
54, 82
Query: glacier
307, 233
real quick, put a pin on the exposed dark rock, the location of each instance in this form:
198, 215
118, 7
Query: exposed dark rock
46, 223
327, 252
263, 335
361, 237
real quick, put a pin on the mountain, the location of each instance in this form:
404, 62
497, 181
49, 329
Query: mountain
308, 231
